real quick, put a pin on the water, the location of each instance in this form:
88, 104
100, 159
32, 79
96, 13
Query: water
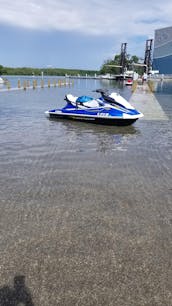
164, 96
85, 210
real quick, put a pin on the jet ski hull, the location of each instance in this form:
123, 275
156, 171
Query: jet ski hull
92, 119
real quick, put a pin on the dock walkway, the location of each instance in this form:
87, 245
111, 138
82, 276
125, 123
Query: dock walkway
144, 100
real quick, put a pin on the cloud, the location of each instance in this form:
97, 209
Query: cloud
89, 31
92, 17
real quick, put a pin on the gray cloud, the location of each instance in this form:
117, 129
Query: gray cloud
92, 17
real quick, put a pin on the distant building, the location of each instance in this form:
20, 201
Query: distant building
162, 56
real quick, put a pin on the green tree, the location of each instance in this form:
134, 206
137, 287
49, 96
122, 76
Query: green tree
1, 69
109, 65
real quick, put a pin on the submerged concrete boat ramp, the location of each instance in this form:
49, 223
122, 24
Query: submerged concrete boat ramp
145, 101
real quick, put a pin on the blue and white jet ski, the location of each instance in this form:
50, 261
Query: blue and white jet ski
109, 109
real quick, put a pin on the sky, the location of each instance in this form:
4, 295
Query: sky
76, 34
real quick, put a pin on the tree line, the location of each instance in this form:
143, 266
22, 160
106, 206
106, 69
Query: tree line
45, 71
105, 68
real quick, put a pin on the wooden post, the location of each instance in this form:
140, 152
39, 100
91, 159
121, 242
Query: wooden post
49, 83
34, 85
24, 85
42, 83
8, 85
19, 84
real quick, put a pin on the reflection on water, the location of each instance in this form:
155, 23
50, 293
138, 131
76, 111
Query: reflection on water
164, 86
91, 137
164, 96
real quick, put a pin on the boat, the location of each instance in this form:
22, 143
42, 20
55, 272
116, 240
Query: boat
108, 76
2, 81
109, 109
129, 82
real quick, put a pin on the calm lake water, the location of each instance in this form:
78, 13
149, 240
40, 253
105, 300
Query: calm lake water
85, 210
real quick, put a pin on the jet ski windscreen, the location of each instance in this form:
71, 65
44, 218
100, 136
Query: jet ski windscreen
83, 99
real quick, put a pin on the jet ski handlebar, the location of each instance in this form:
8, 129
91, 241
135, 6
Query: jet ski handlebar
101, 91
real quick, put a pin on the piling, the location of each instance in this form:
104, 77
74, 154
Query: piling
19, 84
134, 85
34, 84
42, 83
151, 85
8, 85
24, 85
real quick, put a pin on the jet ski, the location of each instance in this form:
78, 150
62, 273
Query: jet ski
109, 109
